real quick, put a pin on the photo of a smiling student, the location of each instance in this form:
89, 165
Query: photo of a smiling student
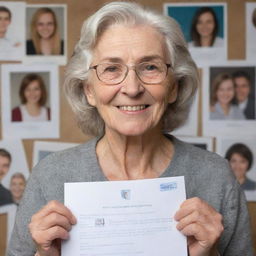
204, 26
222, 96
46, 33
12, 37
232, 93
33, 98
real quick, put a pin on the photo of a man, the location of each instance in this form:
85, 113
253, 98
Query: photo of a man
12, 30
6, 44
17, 186
243, 95
5, 162
5, 20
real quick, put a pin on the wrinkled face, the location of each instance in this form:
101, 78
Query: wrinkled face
45, 25
33, 92
225, 92
4, 22
239, 165
242, 88
4, 166
130, 108
205, 25
17, 187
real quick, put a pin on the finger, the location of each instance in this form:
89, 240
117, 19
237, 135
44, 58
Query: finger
55, 219
44, 239
54, 206
187, 208
204, 236
57, 232
191, 205
194, 217
195, 230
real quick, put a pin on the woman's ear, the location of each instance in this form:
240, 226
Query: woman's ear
173, 93
89, 93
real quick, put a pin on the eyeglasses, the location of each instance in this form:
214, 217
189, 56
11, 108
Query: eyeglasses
147, 72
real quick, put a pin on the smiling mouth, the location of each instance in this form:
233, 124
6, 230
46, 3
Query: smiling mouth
133, 108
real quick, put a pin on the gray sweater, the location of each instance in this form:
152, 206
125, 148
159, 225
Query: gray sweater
207, 176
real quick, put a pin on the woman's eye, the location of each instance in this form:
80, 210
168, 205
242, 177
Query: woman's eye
112, 69
151, 67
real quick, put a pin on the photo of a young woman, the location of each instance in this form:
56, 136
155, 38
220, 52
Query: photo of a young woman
222, 96
240, 158
44, 33
33, 96
204, 29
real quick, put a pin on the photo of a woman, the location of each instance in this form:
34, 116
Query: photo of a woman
204, 29
44, 33
33, 96
222, 95
240, 158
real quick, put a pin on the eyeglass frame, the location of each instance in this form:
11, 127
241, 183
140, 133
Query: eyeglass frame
127, 71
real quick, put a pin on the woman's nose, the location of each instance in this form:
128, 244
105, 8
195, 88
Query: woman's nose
132, 86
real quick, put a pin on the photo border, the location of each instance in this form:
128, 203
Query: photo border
201, 140
20, 23
224, 127
49, 146
30, 130
57, 59
250, 32
206, 55
222, 145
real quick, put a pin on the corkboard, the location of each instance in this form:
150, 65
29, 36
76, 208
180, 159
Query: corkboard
3, 232
78, 10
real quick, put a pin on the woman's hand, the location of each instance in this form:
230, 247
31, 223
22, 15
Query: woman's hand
201, 224
49, 225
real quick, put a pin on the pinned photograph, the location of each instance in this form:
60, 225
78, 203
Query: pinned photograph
44, 148
204, 28
13, 175
241, 154
201, 142
30, 101
251, 31
46, 39
229, 99
12, 31
190, 127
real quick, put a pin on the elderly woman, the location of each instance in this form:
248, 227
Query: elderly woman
131, 78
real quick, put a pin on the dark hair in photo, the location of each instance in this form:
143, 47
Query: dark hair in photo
5, 9
254, 17
5, 153
26, 81
241, 73
195, 36
241, 149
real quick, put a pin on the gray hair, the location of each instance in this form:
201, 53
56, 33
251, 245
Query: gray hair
129, 14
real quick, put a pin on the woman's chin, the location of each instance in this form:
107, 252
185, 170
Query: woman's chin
137, 130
